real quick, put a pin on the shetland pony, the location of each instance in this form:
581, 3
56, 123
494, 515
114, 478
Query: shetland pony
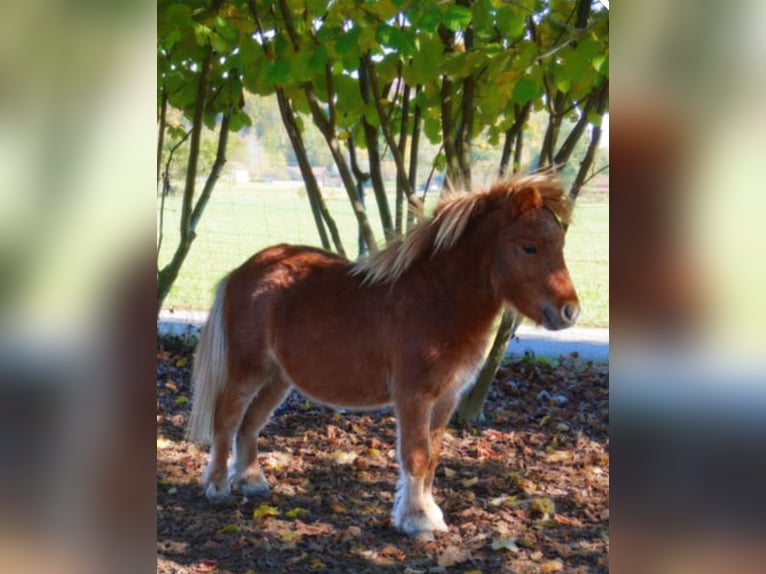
406, 327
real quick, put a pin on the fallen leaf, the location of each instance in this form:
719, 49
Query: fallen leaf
551, 566
264, 510
181, 362
542, 506
502, 500
338, 508
342, 457
181, 400
229, 529
163, 443
316, 563
295, 512
290, 536
504, 544
393, 552
206, 566
559, 456
300, 557
469, 482
453, 555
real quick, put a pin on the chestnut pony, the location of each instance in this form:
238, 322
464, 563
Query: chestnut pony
406, 327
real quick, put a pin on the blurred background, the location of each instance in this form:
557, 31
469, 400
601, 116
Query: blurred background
78, 306
687, 377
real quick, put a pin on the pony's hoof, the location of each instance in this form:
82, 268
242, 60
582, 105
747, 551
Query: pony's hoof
215, 493
420, 526
256, 487
436, 516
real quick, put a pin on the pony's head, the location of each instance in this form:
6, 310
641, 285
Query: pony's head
529, 272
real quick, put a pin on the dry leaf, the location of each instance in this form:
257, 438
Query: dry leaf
265, 510
551, 566
504, 544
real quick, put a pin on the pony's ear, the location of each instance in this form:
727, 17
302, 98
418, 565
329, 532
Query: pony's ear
524, 200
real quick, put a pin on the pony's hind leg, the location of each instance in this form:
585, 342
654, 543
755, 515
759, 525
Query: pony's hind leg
245, 468
229, 410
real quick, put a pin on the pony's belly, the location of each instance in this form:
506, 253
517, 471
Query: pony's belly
348, 390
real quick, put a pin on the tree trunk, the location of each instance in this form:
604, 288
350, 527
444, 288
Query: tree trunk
399, 218
161, 130
511, 138
327, 128
470, 409
318, 207
590, 154
190, 217
417, 124
361, 177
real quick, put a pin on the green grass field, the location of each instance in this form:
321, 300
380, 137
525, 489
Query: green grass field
243, 218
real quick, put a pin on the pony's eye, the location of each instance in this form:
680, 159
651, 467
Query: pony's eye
529, 248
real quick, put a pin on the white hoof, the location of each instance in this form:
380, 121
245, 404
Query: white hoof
415, 524
436, 516
217, 493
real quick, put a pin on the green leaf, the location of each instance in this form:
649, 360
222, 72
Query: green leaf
219, 44
524, 91
432, 128
456, 18
319, 58
178, 14
226, 30
395, 38
229, 529
348, 41
430, 20
279, 72
595, 118
511, 21
201, 34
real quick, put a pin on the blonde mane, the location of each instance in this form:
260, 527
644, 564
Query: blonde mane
451, 217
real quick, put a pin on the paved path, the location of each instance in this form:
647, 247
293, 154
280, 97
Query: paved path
592, 344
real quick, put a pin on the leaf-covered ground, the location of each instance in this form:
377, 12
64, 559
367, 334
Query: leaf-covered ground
526, 492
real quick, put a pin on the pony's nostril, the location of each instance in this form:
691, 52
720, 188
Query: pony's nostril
569, 312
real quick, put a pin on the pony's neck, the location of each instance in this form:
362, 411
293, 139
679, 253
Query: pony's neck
460, 280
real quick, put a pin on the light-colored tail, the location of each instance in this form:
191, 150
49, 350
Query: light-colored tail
209, 374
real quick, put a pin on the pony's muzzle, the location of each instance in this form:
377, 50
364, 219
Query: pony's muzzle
569, 313
555, 318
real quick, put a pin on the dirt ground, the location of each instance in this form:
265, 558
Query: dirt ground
526, 492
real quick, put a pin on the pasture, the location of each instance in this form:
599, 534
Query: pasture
243, 218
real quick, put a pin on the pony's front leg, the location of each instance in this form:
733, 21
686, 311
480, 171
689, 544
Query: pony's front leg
440, 415
413, 514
